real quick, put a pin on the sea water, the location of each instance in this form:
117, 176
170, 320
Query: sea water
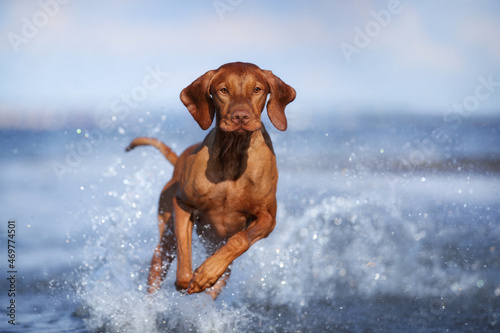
386, 223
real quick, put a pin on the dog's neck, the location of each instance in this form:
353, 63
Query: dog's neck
228, 160
233, 145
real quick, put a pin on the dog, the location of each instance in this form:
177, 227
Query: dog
225, 185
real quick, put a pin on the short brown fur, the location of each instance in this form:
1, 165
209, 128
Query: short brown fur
226, 185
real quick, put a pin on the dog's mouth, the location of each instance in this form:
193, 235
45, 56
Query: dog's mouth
229, 126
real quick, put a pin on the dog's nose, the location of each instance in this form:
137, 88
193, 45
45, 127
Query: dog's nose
241, 117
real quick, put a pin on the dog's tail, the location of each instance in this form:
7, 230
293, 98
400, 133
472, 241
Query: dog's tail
163, 148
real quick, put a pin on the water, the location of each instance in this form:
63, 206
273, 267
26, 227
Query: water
383, 226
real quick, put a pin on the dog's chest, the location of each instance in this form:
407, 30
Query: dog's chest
228, 205
226, 196
225, 207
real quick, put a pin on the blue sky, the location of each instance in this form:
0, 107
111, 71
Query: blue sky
416, 56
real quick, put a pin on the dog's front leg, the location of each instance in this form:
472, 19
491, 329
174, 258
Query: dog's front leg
212, 269
183, 227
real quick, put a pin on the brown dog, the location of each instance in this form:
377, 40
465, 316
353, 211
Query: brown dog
227, 184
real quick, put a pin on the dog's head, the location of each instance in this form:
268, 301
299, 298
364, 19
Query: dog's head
237, 93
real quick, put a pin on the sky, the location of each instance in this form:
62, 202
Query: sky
71, 57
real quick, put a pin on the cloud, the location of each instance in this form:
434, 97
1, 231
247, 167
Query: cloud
91, 52
195, 34
411, 44
483, 32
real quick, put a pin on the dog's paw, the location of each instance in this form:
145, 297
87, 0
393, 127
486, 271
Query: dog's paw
182, 281
181, 286
205, 277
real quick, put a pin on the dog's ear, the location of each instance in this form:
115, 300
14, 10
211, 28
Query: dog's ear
280, 95
196, 97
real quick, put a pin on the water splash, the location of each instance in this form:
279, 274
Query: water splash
330, 258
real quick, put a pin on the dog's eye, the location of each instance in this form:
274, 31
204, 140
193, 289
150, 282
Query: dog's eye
224, 90
257, 89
